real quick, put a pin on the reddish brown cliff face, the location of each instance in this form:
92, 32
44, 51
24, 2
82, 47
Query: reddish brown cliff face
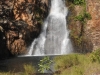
32, 12
89, 40
20, 23
93, 25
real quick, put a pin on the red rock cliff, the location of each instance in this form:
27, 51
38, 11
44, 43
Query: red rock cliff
20, 23
90, 31
93, 25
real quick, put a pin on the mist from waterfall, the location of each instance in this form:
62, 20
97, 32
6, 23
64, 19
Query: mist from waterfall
54, 38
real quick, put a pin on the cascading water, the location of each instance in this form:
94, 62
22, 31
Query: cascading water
54, 38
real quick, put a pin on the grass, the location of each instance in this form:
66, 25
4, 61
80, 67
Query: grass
29, 69
78, 64
73, 63
8, 73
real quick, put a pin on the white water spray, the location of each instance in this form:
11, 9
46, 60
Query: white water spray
54, 38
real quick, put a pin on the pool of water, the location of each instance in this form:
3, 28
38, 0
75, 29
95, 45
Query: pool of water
16, 64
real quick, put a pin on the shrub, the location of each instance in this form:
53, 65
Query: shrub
87, 15
83, 17
78, 2
95, 56
44, 64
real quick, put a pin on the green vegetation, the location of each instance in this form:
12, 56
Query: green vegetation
78, 2
78, 64
44, 64
29, 70
8, 73
62, 62
95, 56
77, 38
83, 17
69, 64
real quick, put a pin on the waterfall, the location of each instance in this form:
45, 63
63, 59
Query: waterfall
54, 38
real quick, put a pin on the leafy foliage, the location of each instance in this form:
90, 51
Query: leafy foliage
78, 2
83, 17
44, 64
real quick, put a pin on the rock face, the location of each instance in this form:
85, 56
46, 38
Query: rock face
20, 23
89, 39
93, 25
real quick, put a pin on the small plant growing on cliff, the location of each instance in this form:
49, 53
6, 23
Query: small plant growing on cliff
83, 17
44, 64
78, 2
